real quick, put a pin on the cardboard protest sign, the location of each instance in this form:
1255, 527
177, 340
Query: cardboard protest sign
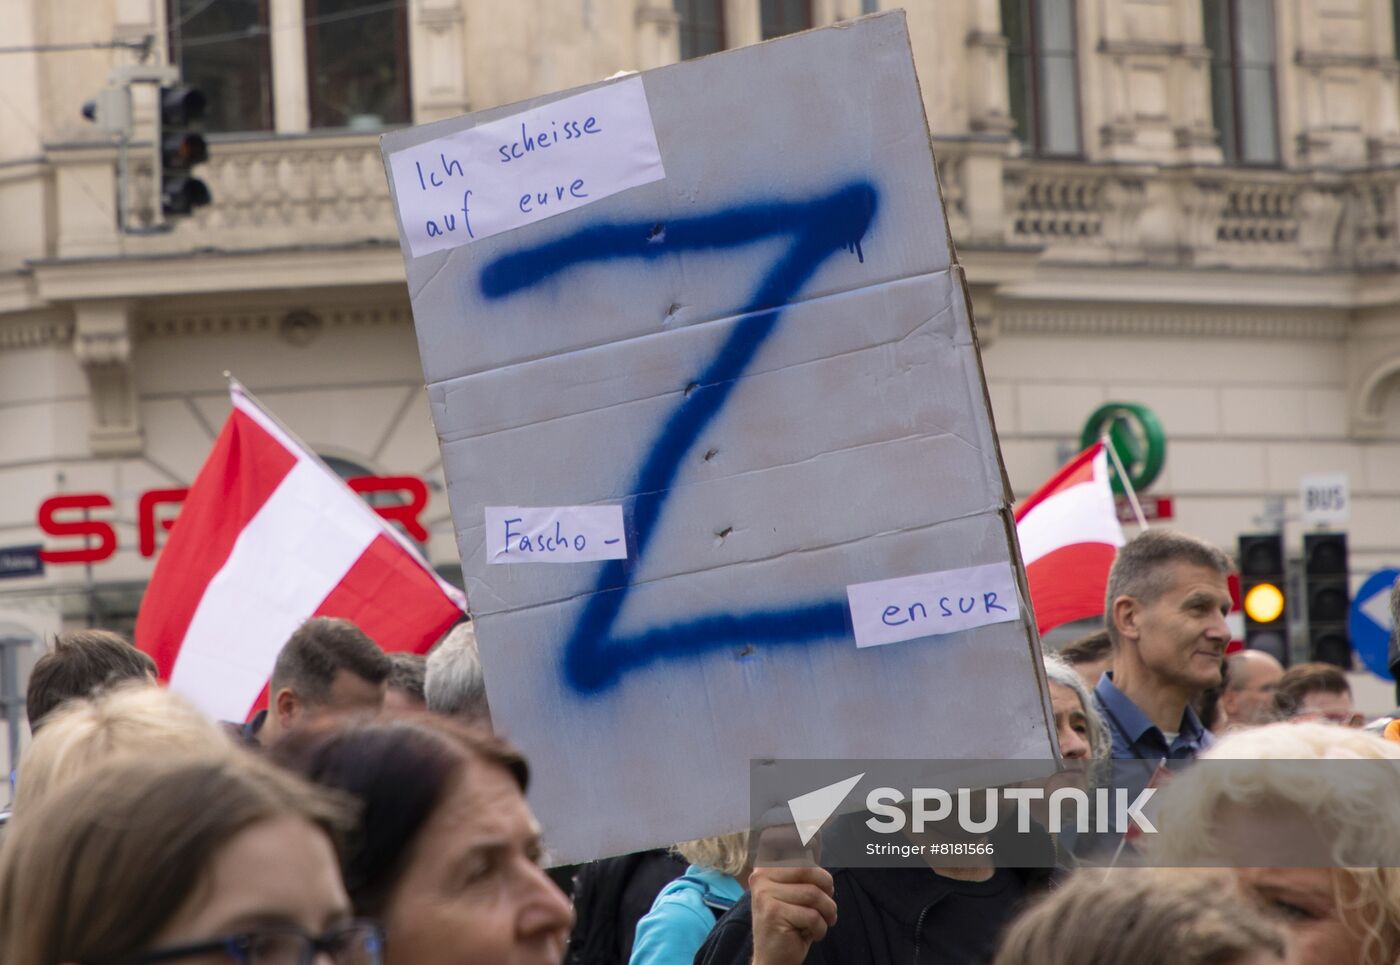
715, 305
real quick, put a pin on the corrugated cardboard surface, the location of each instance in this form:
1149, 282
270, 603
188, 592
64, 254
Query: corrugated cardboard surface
853, 444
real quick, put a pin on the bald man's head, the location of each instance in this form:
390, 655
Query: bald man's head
1248, 699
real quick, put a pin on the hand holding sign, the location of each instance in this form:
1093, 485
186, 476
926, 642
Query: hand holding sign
794, 902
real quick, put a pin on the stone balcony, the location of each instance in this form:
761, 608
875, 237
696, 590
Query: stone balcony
312, 213
1199, 216
328, 191
312, 190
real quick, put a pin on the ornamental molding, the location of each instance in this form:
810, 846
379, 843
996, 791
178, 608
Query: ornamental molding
1321, 59
36, 333
664, 17
439, 17
983, 38
1154, 48
226, 321
1165, 324
1150, 48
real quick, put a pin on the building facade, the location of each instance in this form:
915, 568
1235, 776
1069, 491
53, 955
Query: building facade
1190, 204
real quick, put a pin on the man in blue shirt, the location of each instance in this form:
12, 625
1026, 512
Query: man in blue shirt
1165, 613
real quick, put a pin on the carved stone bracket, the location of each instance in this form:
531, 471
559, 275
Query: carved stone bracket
989, 100
440, 83
658, 34
1320, 211
102, 342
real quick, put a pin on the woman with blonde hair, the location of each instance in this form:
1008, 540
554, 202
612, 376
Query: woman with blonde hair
686, 910
1307, 816
201, 859
1144, 917
133, 720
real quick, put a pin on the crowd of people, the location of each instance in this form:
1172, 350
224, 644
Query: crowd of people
370, 814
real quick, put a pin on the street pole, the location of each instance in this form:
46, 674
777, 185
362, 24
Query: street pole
11, 700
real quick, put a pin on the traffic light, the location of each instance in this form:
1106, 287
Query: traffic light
1263, 592
1328, 596
180, 150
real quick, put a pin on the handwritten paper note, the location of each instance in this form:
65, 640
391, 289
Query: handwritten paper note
908, 607
498, 176
554, 534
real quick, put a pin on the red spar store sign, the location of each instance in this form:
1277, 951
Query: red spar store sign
67, 516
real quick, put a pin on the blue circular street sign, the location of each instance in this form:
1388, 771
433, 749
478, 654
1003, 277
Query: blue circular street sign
1369, 622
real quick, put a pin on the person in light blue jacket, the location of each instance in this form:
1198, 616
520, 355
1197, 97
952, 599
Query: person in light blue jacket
684, 912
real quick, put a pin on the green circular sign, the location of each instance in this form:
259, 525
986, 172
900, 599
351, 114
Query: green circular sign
1135, 434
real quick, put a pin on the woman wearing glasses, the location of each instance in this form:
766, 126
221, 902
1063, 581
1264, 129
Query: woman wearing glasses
1316, 692
198, 860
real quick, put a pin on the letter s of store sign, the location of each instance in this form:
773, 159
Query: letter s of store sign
66, 515
68, 505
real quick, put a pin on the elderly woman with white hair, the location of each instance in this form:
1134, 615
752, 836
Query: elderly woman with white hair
1081, 731
1309, 815
1085, 746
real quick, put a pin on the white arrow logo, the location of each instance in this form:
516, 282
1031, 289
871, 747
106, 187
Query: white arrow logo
811, 810
1377, 607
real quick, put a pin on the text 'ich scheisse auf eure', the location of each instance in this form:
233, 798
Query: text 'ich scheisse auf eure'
495, 177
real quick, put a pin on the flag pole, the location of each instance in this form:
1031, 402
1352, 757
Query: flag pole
237, 386
295, 440
1123, 477
1118, 853
1123, 841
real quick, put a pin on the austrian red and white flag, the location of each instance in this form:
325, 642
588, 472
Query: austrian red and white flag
1069, 533
269, 537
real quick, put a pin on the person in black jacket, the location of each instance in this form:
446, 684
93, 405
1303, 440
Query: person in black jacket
610, 897
900, 916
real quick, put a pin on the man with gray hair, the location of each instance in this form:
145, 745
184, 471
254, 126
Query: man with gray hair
1165, 614
455, 685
